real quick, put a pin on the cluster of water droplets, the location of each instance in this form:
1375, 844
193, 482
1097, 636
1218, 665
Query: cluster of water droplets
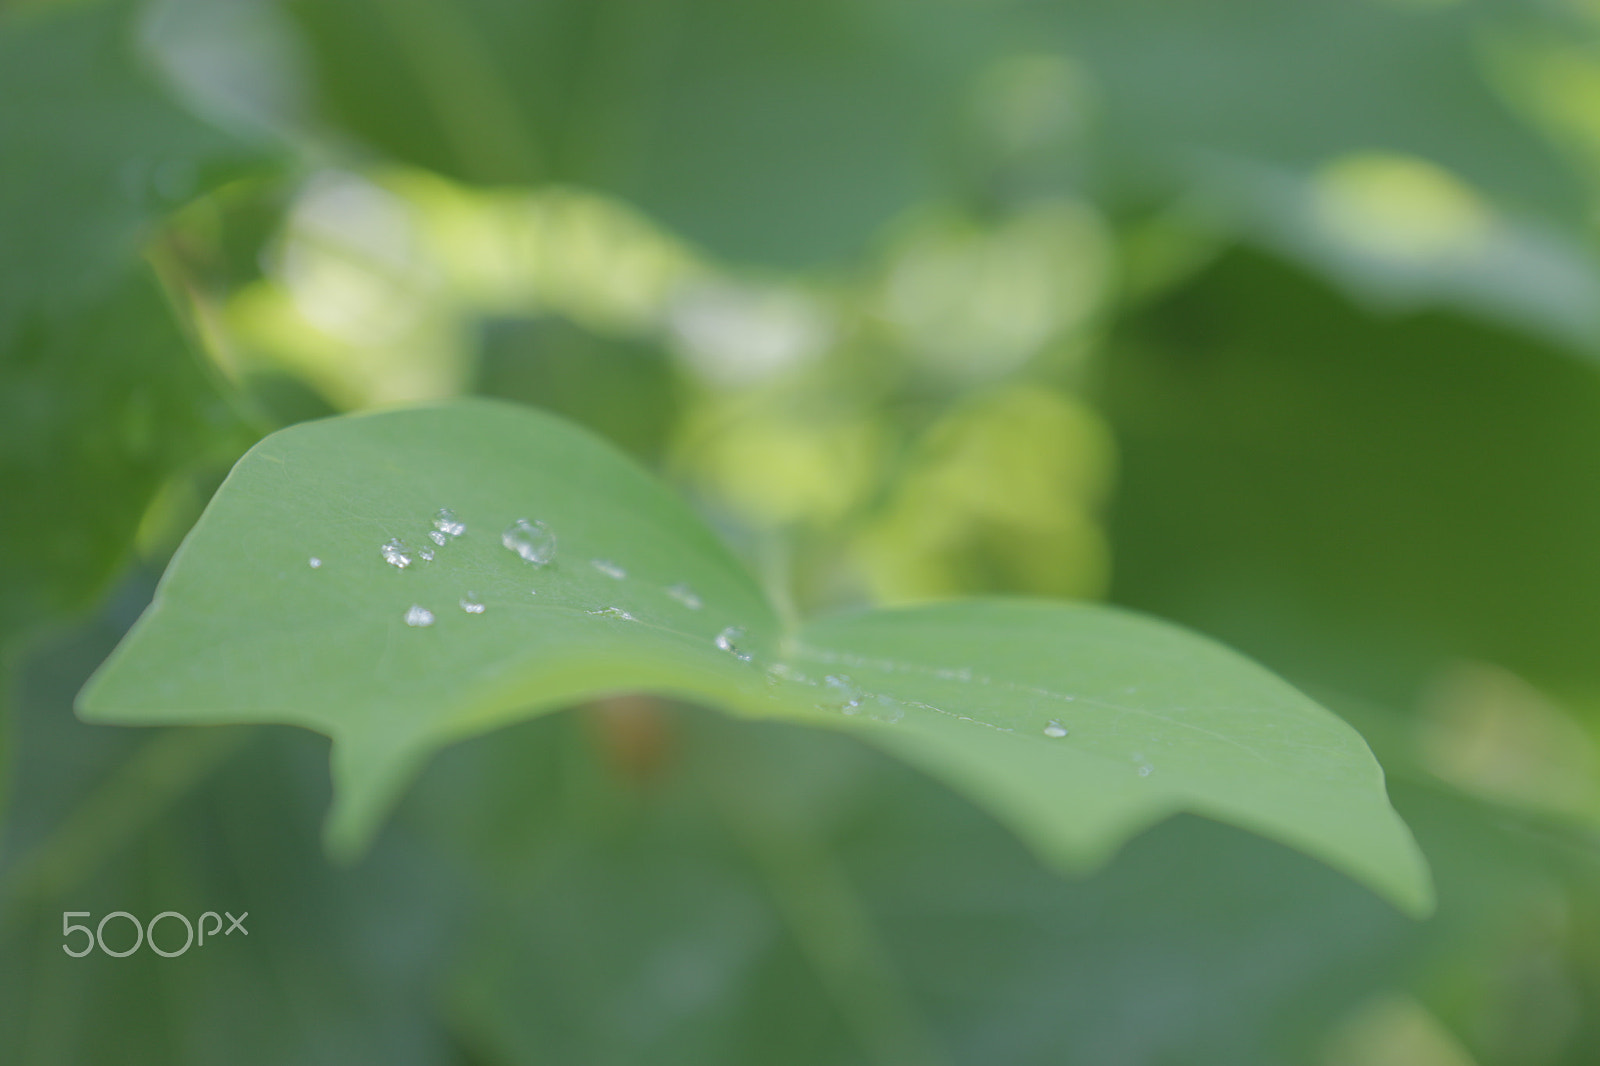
400, 555
842, 694
444, 528
837, 692
535, 542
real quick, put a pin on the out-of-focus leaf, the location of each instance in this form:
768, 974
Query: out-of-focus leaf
97, 409
352, 577
1255, 112
100, 395
626, 391
1508, 959
95, 153
767, 894
1185, 86
335, 967
781, 132
779, 895
1399, 233
1001, 496
1356, 499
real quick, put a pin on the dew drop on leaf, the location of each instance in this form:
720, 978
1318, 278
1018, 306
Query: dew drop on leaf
315, 563
419, 616
1055, 729
471, 604
446, 524
608, 568
725, 641
533, 541
615, 612
685, 595
885, 708
395, 553
846, 696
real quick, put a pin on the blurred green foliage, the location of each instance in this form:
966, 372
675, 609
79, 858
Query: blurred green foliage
1277, 319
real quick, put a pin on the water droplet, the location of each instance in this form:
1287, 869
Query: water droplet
315, 563
533, 541
471, 604
437, 537
886, 708
395, 553
419, 616
1055, 729
1145, 770
446, 524
785, 672
847, 696
609, 569
426, 555
615, 612
685, 595
725, 641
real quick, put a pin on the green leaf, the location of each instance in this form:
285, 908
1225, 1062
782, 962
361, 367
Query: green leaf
97, 410
286, 605
101, 398
780, 132
1251, 107
1236, 79
1363, 500
95, 152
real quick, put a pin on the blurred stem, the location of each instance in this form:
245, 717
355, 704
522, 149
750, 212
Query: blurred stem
829, 922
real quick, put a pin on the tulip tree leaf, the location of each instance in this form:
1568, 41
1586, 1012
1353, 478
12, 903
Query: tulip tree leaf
1077, 726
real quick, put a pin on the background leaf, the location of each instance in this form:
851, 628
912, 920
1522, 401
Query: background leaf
101, 396
1276, 320
784, 134
1415, 487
